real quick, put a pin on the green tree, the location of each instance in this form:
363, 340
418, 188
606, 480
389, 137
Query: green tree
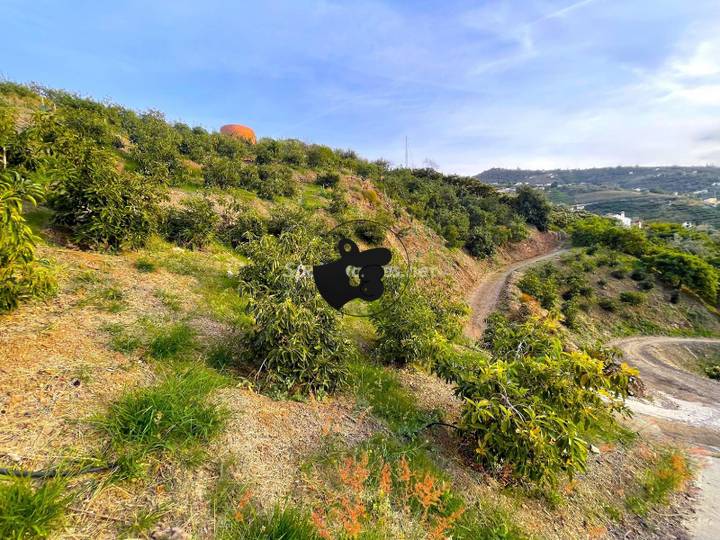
533, 206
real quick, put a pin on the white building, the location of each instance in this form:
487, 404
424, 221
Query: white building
622, 218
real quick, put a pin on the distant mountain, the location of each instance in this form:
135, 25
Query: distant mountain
661, 179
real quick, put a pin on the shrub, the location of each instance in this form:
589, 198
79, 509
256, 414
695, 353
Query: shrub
526, 410
602, 283
646, 285
287, 218
713, 371
411, 327
275, 181
338, 202
619, 273
638, 275
541, 283
295, 340
371, 232
192, 225
102, 207
31, 511
240, 223
225, 172
632, 297
320, 156
608, 304
174, 414
21, 276
328, 179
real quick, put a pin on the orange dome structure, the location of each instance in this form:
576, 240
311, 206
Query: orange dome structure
239, 132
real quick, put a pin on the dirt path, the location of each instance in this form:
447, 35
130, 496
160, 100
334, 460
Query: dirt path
486, 294
685, 407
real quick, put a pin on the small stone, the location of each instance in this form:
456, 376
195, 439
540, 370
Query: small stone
594, 449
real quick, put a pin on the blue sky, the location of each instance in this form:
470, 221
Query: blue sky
552, 83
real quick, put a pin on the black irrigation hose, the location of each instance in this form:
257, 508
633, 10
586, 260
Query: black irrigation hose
54, 472
431, 424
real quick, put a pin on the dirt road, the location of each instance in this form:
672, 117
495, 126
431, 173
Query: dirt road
484, 298
685, 407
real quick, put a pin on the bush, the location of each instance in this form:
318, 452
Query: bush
29, 511
240, 223
287, 218
338, 202
102, 207
526, 410
533, 206
638, 275
632, 297
646, 285
619, 273
192, 225
328, 179
275, 181
608, 304
296, 341
369, 231
713, 372
541, 283
410, 327
320, 156
226, 172
21, 276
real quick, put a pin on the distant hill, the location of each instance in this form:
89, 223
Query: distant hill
661, 179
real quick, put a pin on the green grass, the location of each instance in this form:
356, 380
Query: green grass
172, 341
169, 299
378, 387
143, 264
175, 414
668, 475
288, 523
28, 510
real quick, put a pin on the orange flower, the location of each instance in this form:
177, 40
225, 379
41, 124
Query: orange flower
354, 473
385, 480
242, 503
428, 493
319, 521
444, 523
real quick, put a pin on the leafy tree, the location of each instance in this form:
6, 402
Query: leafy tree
21, 276
319, 156
296, 341
193, 224
683, 269
102, 206
533, 206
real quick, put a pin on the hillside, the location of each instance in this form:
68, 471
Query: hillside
169, 370
663, 179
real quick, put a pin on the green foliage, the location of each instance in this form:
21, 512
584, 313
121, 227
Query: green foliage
608, 304
156, 149
532, 205
29, 510
632, 297
239, 223
683, 269
192, 225
103, 207
370, 231
527, 408
713, 371
328, 179
174, 414
21, 276
275, 181
319, 156
226, 172
541, 283
295, 341
145, 265
286, 523
410, 327
172, 341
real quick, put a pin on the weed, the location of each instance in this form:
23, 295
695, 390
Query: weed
142, 521
379, 388
668, 474
172, 341
174, 414
30, 511
121, 340
170, 300
144, 264
280, 524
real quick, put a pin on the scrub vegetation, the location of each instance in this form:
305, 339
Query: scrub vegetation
222, 394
